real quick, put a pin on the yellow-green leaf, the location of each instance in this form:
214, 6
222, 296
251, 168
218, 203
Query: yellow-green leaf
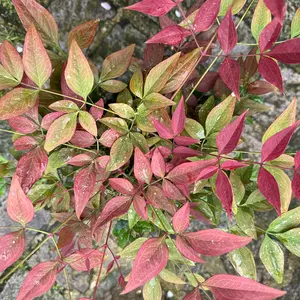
169, 276
291, 240
152, 290
123, 110
6, 80
236, 5
194, 129
295, 27
113, 86
88, 123
156, 101
205, 109
132, 249
245, 221
137, 83
117, 124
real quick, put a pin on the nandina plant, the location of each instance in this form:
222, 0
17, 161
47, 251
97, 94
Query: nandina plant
137, 161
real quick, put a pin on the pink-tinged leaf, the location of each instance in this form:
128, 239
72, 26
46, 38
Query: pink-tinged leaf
25, 143
17, 102
184, 152
277, 143
230, 74
260, 87
194, 295
207, 15
78, 73
269, 70
78, 259
276, 7
187, 173
108, 137
155, 8
171, 191
287, 52
37, 64
229, 137
297, 160
19, 207
227, 35
187, 251
142, 167
269, 35
181, 220
140, 207
96, 112
268, 186
185, 141
153, 55
31, 167
84, 183
296, 184
11, 60
156, 198
81, 160
82, 139
223, 285
122, 186
39, 280
23, 125
158, 165
215, 242
208, 82
171, 35
230, 165
164, 131
12, 246
178, 118
224, 192
150, 260
208, 172
50, 118
83, 34
115, 208
88, 123
165, 21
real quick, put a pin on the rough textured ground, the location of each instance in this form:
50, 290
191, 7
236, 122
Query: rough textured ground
118, 29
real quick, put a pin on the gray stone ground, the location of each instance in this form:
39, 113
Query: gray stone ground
118, 29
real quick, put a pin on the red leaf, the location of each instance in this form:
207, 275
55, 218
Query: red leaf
165, 21
23, 125
187, 173
82, 138
50, 118
155, 8
228, 138
187, 251
184, 152
232, 165
25, 143
224, 192
296, 178
227, 35
153, 55
122, 186
158, 165
12, 246
84, 183
149, 262
171, 191
260, 87
140, 207
164, 131
208, 82
230, 74
115, 207
297, 160
215, 242
185, 141
178, 118
208, 172
194, 295
268, 186
96, 112
269, 35
207, 15
142, 167
81, 160
269, 70
276, 7
108, 137
276, 144
181, 219
223, 285
287, 52
171, 35
31, 167
38, 281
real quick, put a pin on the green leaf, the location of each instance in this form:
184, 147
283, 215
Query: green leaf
161, 221
159, 75
283, 161
156, 101
175, 255
40, 193
205, 109
220, 116
117, 124
286, 221
237, 187
125, 97
286, 119
133, 217
295, 27
120, 153
257, 202
169, 276
123, 110
261, 18
243, 261
192, 280
113, 86
291, 240
65, 106
152, 290
2, 186
194, 129
17, 102
60, 131
138, 140
252, 106
272, 257
116, 64
88, 123
137, 84
78, 73
245, 220
132, 249
6, 80
60, 200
